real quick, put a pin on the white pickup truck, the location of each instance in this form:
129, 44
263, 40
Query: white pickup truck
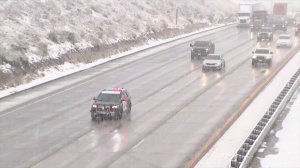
262, 55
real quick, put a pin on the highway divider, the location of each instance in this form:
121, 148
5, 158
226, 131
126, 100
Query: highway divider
245, 153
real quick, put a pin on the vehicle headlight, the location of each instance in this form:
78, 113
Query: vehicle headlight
283, 26
94, 106
206, 49
254, 56
114, 107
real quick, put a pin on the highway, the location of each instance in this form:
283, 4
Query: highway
177, 108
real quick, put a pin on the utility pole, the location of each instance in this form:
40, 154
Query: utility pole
176, 16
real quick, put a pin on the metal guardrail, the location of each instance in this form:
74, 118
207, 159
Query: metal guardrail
244, 155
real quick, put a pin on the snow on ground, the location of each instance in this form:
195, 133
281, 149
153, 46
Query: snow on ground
38, 32
288, 146
68, 68
54, 27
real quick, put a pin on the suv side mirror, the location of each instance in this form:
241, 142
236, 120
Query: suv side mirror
252, 52
124, 99
94, 98
191, 45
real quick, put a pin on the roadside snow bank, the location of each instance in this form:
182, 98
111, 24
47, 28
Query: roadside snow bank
288, 145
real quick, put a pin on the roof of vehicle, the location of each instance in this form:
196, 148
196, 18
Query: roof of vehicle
114, 90
266, 29
201, 43
262, 49
213, 55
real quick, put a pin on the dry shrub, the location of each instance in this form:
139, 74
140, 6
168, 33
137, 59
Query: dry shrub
62, 36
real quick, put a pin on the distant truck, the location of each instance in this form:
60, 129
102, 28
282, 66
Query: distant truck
280, 9
244, 15
200, 49
259, 17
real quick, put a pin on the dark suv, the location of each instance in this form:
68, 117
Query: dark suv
297, 29
265, 33
201, 49
111, 103
279, 25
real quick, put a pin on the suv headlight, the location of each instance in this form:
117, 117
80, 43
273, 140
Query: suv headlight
254, 56
94, 106
115, 107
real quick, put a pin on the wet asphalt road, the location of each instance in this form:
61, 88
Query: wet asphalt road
176, 108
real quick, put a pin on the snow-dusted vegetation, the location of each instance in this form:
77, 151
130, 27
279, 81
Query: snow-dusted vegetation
40, 34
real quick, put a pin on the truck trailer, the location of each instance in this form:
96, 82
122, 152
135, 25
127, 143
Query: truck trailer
244, 15
259, 17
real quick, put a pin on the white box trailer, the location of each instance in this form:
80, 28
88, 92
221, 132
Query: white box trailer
244, 15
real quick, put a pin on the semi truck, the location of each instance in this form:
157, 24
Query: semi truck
259, 17
244, 15
280, 9
280, 18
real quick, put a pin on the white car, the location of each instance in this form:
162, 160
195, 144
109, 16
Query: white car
284, 41
213, 62
262, 55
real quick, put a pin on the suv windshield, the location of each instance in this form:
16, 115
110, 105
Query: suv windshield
262, 51
201, 43
284, 37
105, 97
266, 30
244, 14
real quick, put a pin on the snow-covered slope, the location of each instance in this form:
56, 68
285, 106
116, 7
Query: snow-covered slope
38, 34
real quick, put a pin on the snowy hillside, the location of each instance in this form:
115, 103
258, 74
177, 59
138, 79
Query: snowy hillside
39, 34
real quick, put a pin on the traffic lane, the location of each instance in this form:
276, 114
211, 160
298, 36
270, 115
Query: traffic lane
160, 118
262, 73
226, 47
19, 99
42, 112
67, 100
199, 120
105, 80
76, 145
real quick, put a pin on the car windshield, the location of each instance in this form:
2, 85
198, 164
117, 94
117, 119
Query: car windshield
244, 14
213, 57
279, 22
266, 30
284, 37
108, 97
201, 43
262, 51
